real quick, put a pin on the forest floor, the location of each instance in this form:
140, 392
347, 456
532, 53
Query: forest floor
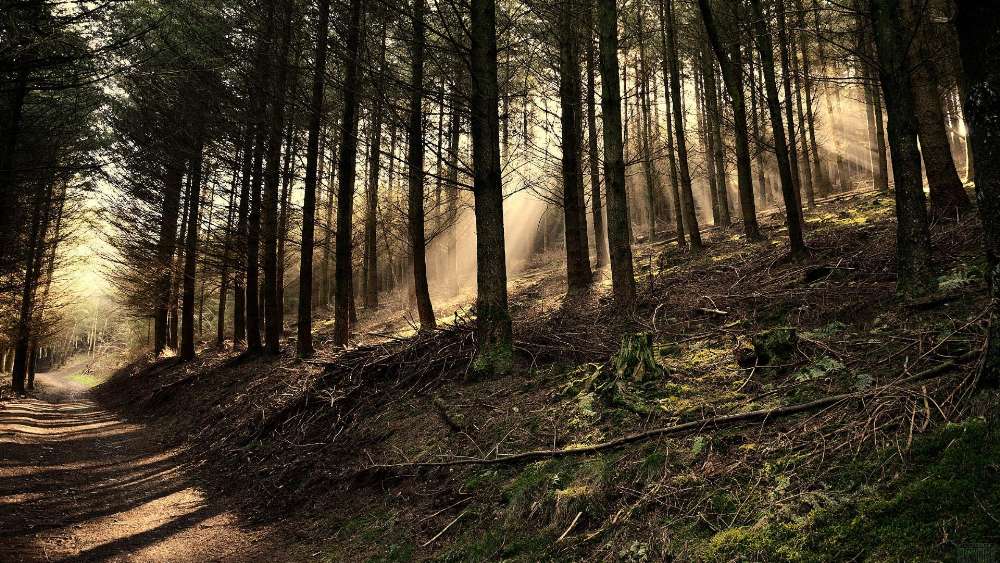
78, 483
851, 429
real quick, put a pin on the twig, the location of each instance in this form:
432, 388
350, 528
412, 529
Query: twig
571, 525
711, 422
445, 529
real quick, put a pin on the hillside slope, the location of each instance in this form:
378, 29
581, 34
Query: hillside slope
902, 466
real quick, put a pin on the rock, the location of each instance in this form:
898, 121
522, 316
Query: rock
775, 346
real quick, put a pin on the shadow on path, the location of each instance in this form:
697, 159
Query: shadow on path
77, 483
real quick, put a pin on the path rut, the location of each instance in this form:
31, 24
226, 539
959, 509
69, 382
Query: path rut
78, 483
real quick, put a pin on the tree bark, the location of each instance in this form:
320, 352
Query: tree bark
415, 159
304, 345
731, 62
578, 274
347, 166
687, 196
913, 248
948, 196
622, 275
597, 208
273, 314
495, 352
979, 46
191, 245
793, 209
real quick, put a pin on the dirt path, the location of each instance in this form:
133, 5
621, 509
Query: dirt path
78, 483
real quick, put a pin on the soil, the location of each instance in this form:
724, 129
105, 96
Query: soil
79, 483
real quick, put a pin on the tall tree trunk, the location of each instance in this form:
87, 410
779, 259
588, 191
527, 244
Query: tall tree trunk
495, 354
371, 195
173, 181
687, 196
714, 116
304, 345
191, 246
872, 133
913, 247
347, 164
23, 334
731, 63
645, 135
273, 314
793, 210
786, 82
671, 152
807, 174
578, 274
415, 159
454, 138
622, 274
597, 208
979, 46
226, 262
821, 179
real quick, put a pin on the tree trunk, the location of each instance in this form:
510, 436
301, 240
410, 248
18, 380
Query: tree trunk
948, 196
687, 196
731, 63
415, 159
622, 275
807, 174
173, 178
304, 345
347, 165
671, 152
191, 247
979, 46
273, 314
793, 208
715, 131
597, 208
913, 248
578, 274
495, 352
786, 81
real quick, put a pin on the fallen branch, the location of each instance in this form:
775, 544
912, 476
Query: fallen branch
712, 422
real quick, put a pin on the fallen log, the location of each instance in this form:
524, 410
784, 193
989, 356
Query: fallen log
712, 422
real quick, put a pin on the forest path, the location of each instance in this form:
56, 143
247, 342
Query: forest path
79, 483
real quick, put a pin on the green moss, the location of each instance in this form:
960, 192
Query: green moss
941, 503
775, 346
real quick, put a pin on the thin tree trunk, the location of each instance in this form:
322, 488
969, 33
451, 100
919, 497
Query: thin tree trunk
786, 81
597, 208
671, 152
793, 212
687, 196
731, 63
273, 315
415, 159
191, 247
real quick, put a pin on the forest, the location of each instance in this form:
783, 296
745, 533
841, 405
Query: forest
500, 280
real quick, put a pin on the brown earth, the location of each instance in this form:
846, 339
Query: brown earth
78, 483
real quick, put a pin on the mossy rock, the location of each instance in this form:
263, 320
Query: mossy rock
776, 346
